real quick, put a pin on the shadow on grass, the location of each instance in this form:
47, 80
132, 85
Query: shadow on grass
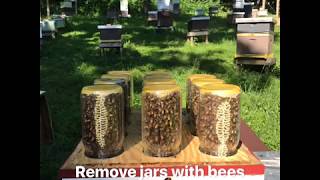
276, 36
213, 66
249, 80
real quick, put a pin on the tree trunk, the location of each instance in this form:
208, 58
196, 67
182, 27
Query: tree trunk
263, 4
278, 8
278, 12
146, 6
48, 8
76, 7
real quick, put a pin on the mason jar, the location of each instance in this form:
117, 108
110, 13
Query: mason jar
196, 84
125, 89
102, 116
124, 77
189, 80
161, 120
219, 124
131, 82
158, 81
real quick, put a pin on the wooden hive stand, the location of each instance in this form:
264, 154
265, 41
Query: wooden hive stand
191, 35
110, 44
134, 156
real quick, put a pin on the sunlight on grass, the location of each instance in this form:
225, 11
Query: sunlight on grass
74, 34
86, 69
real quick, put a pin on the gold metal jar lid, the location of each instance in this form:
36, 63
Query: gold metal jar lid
194, 76
161, 90
159, 81
128, 73
116, 76
204, 81
108, 81
102, 89
223, 90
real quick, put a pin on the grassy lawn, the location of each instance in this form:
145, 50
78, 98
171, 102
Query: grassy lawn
72, 61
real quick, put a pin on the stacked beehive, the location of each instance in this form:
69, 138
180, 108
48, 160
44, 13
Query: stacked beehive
255, 40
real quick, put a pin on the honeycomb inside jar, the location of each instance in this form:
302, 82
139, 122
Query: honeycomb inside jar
102, 120
219, 123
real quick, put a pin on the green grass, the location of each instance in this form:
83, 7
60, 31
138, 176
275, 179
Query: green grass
72, 61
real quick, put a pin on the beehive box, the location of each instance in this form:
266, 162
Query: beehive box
213, 10
110, 32
255, 25
234, 15
165, 19
257, 45
59, 22
152, 15
200, 23
48, 26
248, 9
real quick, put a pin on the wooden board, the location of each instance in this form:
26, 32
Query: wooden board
255, 20
200, 33
256, 61
111, 45
133, 155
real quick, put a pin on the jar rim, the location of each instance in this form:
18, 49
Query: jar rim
225, 90
102, 89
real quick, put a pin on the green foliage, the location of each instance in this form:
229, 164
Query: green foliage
135, 6
97, 7
189, 6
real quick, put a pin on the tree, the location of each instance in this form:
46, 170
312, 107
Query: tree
48, 8
76, 6
146, 6
278, 8
278, 12
264, 4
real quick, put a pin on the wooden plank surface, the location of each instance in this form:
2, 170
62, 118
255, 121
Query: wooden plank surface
200, 33
133, 155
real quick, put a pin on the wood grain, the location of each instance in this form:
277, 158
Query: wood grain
133, 155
